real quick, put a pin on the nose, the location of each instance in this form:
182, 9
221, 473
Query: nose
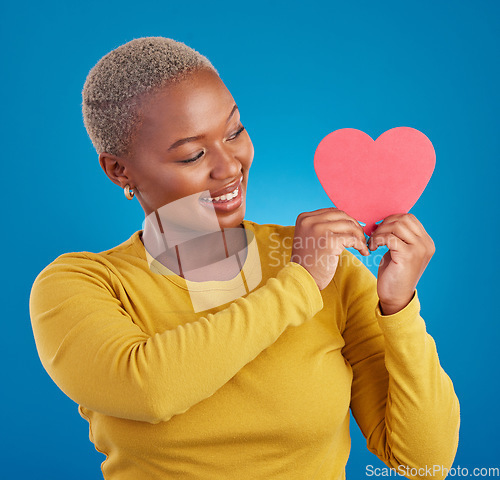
225, 164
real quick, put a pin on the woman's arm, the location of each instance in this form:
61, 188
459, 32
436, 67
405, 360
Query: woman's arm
103, 361
402, 399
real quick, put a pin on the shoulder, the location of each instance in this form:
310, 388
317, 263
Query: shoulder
97, 268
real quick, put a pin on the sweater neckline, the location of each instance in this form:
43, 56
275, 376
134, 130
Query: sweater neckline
249, 266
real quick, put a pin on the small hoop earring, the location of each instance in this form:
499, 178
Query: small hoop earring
129, 193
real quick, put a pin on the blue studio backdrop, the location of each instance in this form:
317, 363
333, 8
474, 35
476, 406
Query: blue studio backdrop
297, 71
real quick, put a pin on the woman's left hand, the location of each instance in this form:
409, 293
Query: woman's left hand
410, 250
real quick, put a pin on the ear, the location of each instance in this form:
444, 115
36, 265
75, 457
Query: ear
116, 169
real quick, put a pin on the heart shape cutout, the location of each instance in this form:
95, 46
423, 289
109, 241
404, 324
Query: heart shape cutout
371, 179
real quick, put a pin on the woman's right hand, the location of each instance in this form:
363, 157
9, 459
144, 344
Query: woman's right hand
320, 237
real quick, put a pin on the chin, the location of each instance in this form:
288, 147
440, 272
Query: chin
232, 219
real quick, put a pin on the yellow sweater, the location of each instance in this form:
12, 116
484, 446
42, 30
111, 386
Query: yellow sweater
257, 388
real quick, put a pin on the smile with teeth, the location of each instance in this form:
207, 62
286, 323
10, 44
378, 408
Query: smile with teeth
223, 198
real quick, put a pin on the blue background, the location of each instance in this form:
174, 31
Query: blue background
297, 71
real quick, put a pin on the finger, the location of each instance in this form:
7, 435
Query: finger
342, 241
349, 217
408, 219
391, 241
400, 230
393, 216
320, 211
341, 232
412, 219
421, 234
342, 225
309, 219
333, 222
330, 222
403, 227
351, 240
359, 226
329, 213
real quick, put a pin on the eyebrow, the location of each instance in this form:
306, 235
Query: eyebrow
182, 141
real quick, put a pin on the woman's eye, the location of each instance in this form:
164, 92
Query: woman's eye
191, 160
234, 135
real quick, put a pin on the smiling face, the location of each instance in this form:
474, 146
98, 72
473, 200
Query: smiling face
190, 142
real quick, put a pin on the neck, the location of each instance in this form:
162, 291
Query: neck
206, 256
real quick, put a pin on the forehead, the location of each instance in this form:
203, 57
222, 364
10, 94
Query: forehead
197, 103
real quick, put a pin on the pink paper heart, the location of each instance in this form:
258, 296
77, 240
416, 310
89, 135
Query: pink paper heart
370, 179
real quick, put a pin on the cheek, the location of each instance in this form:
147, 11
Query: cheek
167, 186
247, 153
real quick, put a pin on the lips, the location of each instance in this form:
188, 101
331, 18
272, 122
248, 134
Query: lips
226, 200
230, 190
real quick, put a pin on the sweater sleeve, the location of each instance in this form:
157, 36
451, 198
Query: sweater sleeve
99, 358
402, 400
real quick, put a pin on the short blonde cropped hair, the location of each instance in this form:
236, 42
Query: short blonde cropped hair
119, 81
